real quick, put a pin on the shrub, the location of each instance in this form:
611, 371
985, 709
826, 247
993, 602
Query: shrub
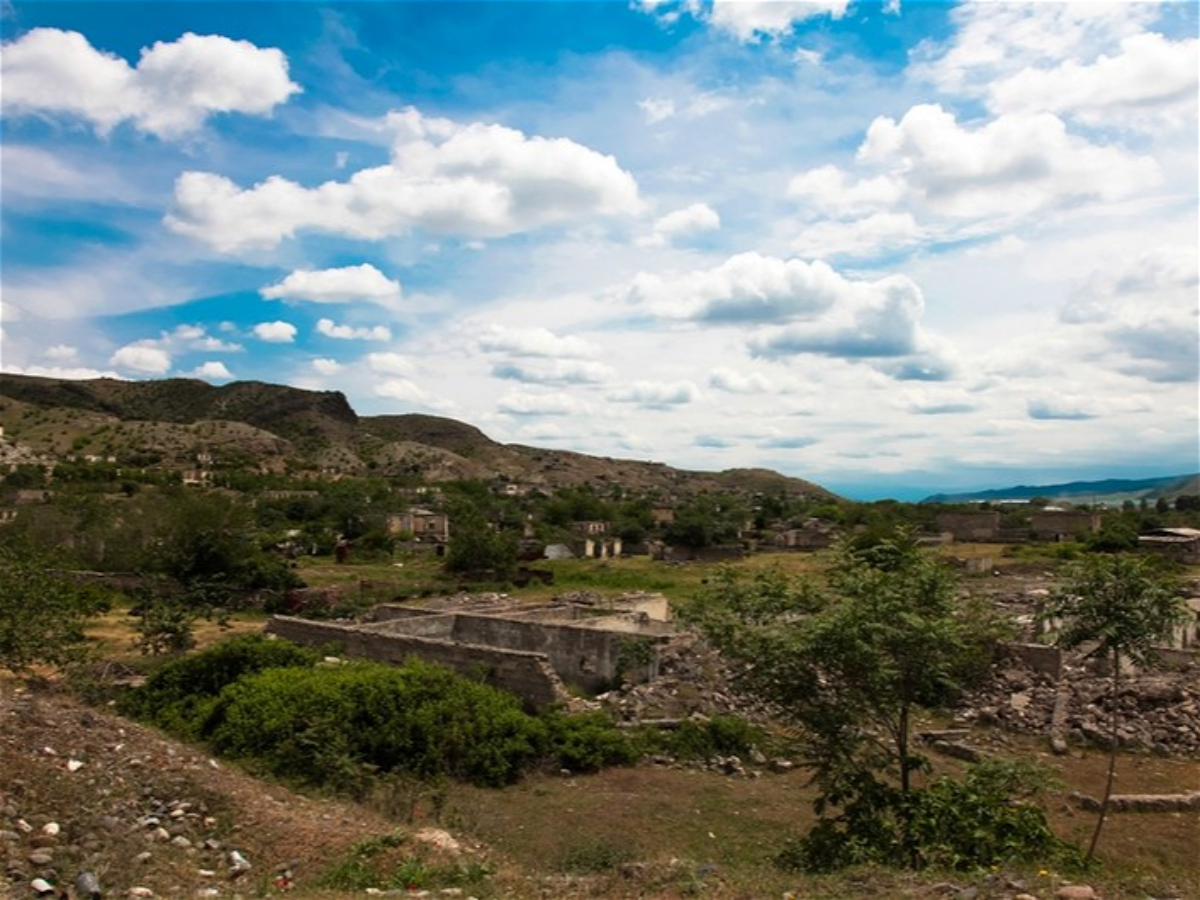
589, 742
322, 726
179, 694
706, 738
987, 818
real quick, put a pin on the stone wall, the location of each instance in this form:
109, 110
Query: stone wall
528, 675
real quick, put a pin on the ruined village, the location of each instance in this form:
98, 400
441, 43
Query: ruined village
560, 587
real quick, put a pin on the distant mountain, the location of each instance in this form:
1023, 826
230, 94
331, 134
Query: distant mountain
1110, 491
247, 424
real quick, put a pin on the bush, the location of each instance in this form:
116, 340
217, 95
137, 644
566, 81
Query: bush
329, 726
987, 818
179, 694
706, 738
589, 742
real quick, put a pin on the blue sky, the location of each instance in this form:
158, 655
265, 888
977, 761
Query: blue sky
891, 248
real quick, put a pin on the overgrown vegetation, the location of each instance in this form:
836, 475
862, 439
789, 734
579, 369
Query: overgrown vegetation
339, 726
852, 661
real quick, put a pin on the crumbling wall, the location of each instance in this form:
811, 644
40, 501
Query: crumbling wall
528, 675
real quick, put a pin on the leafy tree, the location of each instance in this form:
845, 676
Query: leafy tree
851, 662
1121, 606
42, 613
477, 546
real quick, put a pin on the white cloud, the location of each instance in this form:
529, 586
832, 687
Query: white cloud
657, 394
214, 370
275, 332
753, 20
694, 219
407, 392
173, 89
1150, 79
556, 371
142, 357
469, 181
533, 342
733, 381
1011, 165
527, 403
829, 188
345, 285
61, 353
390, 364
993, 41
331, 329
325, 366
748, 287
881, 232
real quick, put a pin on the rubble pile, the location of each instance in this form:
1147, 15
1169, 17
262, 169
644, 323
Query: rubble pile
1158, 711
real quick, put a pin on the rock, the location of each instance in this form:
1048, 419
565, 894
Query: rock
1075, 892
41, 857
779, 766
140, 893
87, 886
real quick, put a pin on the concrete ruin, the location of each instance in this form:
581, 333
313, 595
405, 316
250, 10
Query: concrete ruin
539, 653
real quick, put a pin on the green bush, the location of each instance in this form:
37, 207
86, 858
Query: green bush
706, 738
321, 726
589, 742
180, 693
989, 817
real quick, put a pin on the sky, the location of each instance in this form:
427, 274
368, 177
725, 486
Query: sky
892, 248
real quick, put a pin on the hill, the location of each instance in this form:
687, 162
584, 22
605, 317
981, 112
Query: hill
269, 427
1112, 491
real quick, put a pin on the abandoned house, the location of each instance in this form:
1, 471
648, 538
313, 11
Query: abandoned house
426, 526
1063, 525
538, 653
977, 525
1182, 544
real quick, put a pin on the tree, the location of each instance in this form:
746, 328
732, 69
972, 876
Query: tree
850, 662
1121, 606
42, 613
477, 546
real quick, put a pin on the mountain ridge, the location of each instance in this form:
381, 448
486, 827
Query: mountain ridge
1103, 490
180, 422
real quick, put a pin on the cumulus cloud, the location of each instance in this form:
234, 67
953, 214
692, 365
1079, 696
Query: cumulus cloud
331, 329
748, 287
734, 382
69, 373
1143, 312
276, 332
533, 342
325, 366
407, 392
993, 41
172, 90
345, 285
878, 319
62, 353
694, 219
142, 357
1150, 79
558, 371
390, 364
527, 403
214, 370
755, 20
470, 181
881, 232
657, 394
1014, 164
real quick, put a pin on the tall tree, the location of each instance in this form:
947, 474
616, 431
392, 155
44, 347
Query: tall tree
1121, 607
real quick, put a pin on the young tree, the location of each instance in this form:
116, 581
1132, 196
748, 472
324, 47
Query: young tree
42, 613
850, 662
1122, 606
